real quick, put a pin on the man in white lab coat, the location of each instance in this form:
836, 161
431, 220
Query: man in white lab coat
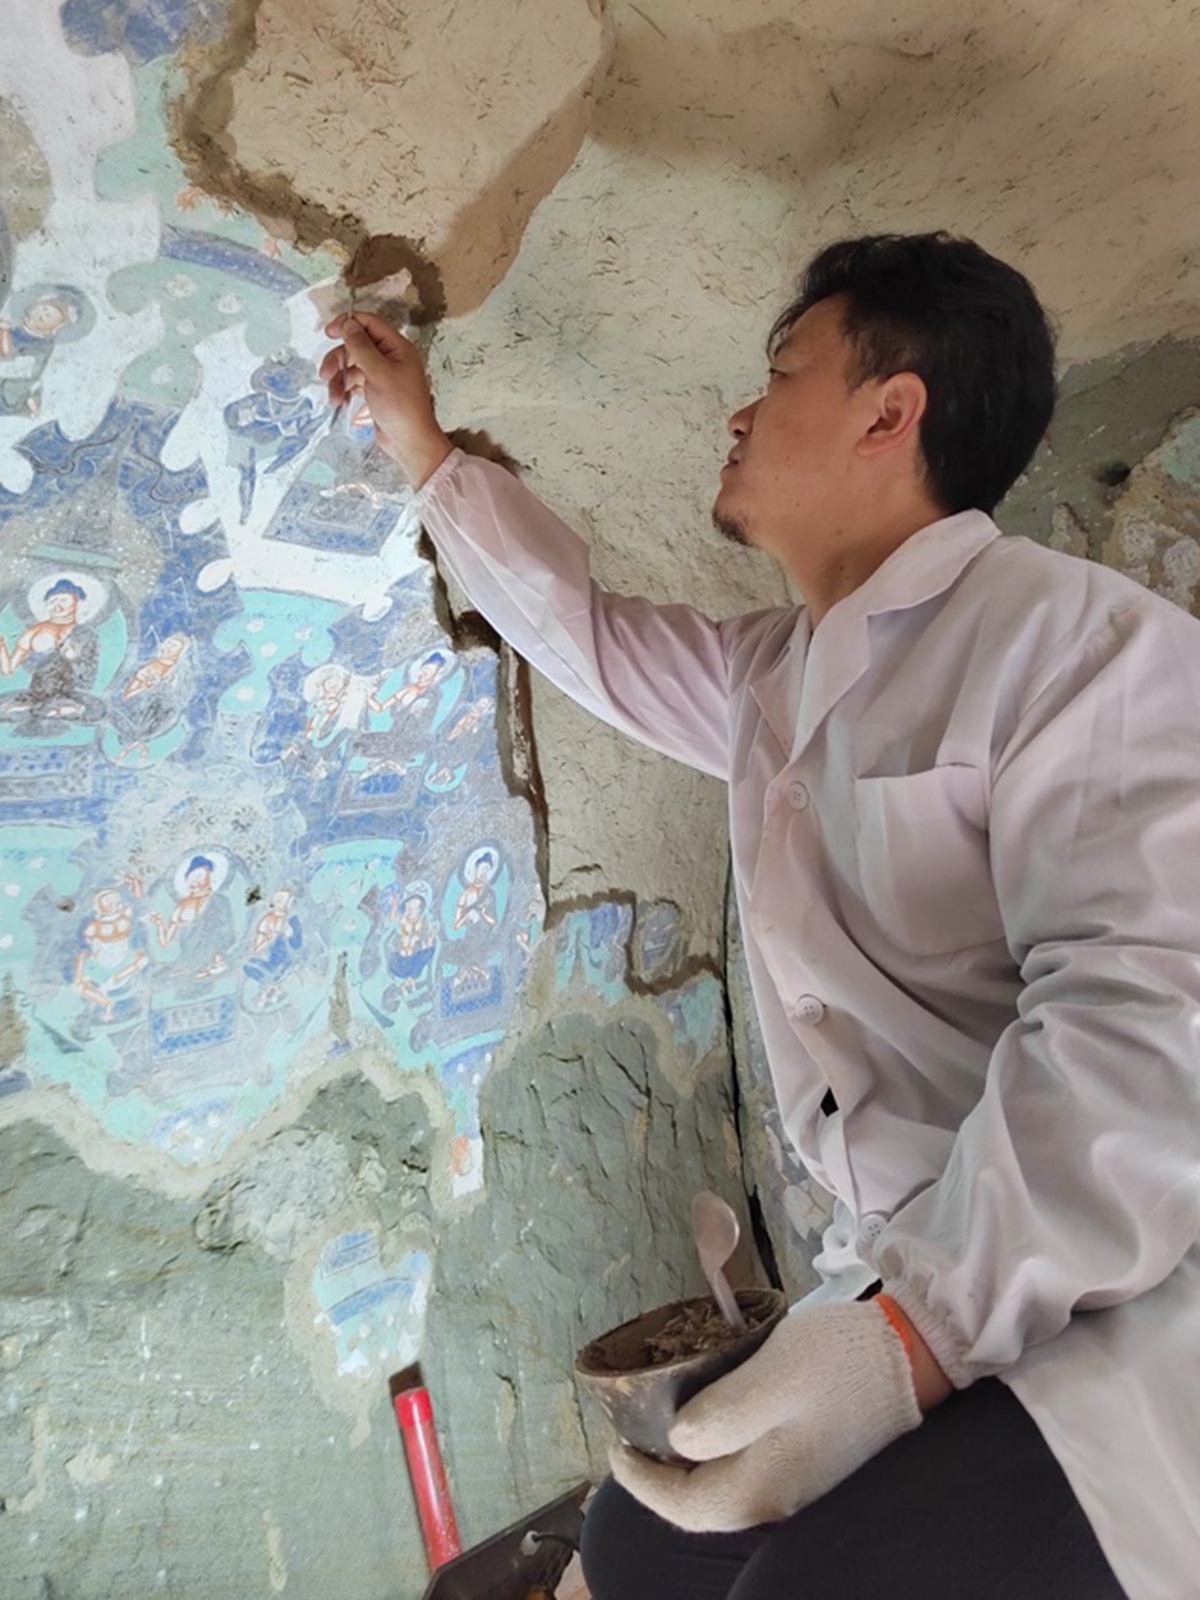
964, 784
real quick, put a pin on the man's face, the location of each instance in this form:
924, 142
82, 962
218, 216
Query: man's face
61, 607
795, 445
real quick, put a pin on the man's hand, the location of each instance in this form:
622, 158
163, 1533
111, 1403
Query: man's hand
829, 1389
387, 370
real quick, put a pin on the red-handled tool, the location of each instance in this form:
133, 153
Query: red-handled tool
414, 1412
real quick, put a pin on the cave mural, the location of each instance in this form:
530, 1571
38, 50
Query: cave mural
251, 809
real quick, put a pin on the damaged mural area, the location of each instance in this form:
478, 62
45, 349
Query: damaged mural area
238, 1348
1155, 535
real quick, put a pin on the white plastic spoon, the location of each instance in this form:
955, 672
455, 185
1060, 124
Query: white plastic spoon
715, 1226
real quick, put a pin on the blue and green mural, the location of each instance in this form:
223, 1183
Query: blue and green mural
251, 810
251, 813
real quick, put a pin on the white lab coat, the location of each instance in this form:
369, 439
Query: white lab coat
965, 824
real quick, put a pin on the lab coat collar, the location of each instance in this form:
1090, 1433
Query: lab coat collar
813, 672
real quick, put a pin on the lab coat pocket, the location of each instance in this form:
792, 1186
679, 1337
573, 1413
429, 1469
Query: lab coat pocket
923, 859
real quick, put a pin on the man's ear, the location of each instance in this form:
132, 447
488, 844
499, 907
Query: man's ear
899, 405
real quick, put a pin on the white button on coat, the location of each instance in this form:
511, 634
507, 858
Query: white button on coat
809, 1009
870, 1227
797, 796
1002, 751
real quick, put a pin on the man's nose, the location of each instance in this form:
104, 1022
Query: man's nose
739, 422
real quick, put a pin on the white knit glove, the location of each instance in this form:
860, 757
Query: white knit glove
829, 1389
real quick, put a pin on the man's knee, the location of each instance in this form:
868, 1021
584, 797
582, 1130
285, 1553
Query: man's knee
611, 1537
630, 1554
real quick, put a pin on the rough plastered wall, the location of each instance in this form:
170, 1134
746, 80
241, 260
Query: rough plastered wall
361, 1000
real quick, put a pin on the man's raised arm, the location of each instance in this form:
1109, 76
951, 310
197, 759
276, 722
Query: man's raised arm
657, 672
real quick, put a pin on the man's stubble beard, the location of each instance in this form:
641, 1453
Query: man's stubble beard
730, 528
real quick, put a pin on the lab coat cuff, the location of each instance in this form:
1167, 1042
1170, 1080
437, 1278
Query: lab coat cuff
949, 1348
438, 476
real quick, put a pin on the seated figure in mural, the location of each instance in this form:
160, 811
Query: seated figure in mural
414, 695
473, 719
111, 956
200, 925
327, 705
532, 922
42, 319
477, 902
275, 948
411, 939
964, 813
159, 668
332, 702
151, 699
476, 920
61, 656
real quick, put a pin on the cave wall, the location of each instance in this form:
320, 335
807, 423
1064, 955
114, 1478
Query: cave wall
362, 1000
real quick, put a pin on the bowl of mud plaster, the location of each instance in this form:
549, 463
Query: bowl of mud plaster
641, 1373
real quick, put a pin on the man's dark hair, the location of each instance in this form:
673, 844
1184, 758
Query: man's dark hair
967, 324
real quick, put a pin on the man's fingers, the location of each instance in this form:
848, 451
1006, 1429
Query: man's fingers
335, 383
382, 334
727, 1416
714, 1498
344, 385
388, 338
661, 1487
332, 364
364, 352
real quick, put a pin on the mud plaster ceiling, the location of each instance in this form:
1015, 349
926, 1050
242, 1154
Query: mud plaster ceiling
421, 114
607, 205
1065, 136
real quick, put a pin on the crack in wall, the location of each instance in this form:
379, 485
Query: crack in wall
519, 762
502, 150
518, 753
754, 1206
680, 973
516, 741
198, 128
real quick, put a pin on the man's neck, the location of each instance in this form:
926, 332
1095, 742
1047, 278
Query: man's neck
826, 570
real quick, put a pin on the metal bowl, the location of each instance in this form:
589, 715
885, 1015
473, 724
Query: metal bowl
641, 1401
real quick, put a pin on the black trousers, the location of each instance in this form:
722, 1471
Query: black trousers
971, 1505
